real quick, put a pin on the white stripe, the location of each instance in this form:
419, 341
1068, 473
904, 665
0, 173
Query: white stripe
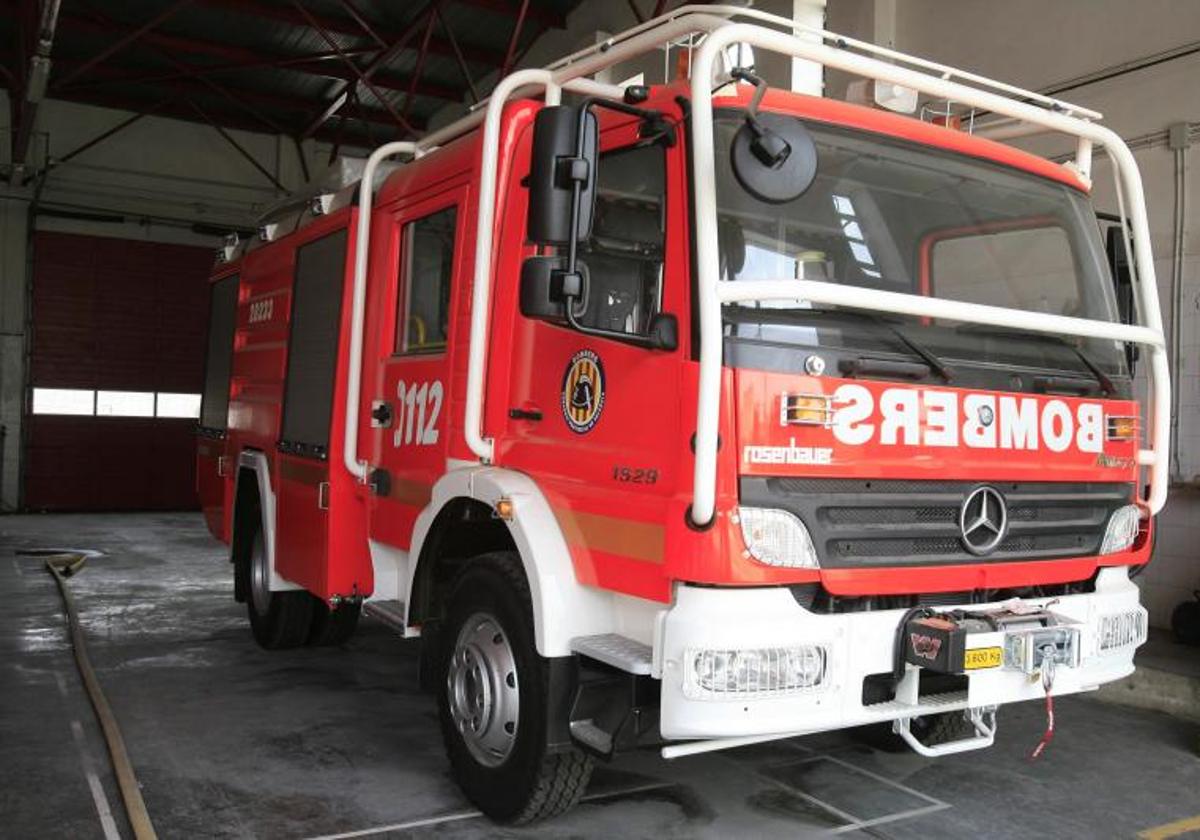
98, 795
466, 815
890, 818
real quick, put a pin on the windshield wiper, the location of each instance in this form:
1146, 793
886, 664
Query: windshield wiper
935, 364
1102, 379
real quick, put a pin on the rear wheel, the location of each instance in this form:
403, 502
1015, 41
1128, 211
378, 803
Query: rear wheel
492, 699
277, 619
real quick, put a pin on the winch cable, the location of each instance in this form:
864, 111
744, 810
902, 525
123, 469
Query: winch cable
1048, 664
62, 566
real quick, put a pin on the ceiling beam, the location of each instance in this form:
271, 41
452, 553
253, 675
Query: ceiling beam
363, 77
287, 104
121, 43
324, 64
180, 110
346, 25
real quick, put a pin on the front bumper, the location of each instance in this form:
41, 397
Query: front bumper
857, 645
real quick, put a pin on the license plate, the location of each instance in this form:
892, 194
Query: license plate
976, 658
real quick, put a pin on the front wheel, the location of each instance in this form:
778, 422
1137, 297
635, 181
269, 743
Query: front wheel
492, 699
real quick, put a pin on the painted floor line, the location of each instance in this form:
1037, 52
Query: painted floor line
467, 815
98, 796
890, 818
932, 800
1175, 829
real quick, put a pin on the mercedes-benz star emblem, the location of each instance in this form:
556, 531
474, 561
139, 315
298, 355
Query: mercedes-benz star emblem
983, 520
986, 415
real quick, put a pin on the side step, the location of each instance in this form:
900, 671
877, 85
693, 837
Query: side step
616, 650
390, 613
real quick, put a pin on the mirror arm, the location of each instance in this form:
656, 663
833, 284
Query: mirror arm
599, 332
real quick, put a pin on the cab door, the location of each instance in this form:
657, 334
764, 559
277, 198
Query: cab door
411, 408
598, 420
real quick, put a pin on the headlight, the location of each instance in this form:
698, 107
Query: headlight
1122, 529
756, 672
777, 538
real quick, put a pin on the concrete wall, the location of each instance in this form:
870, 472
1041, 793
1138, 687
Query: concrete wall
1036, 44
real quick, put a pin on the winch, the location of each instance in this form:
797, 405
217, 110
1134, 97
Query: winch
960, 641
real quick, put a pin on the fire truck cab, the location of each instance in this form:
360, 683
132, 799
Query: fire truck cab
691, 418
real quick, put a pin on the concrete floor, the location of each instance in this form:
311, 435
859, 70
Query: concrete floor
233, 741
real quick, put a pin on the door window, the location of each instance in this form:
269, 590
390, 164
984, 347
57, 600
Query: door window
624, 255
426, 262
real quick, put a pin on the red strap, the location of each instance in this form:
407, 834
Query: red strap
1049, 734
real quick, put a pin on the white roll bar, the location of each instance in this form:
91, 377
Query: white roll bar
1030, 109
362, 247
712, 290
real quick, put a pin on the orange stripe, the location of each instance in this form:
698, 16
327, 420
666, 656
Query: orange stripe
596, 532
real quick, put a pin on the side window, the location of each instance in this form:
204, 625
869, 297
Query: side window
313, 345
426, 264
222, 318
624, 255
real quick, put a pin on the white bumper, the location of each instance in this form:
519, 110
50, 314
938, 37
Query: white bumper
857, 644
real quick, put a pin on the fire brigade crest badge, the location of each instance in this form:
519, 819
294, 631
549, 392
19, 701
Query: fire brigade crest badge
583, 391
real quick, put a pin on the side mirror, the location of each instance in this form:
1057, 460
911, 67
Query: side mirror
546, 285
565, 142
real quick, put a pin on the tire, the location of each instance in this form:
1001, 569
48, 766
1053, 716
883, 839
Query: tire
278, 620
331, 627
492, 688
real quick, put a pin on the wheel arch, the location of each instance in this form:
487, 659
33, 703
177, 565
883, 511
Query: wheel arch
563, 608
253, 495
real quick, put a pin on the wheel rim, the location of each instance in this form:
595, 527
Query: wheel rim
260, 577
484, 697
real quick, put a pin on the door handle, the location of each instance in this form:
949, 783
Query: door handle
381, 414
532, 414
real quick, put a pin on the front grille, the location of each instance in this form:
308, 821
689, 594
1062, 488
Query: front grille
863, 523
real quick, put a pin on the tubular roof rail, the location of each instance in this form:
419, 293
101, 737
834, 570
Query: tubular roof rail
756, 16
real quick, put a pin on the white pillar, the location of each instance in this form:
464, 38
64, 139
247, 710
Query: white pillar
808, 76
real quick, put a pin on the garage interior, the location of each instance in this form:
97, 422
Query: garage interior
135, 138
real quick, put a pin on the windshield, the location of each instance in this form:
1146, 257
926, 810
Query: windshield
889, 215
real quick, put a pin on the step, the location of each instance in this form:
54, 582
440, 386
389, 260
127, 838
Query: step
390, 613
616, 650
592, 736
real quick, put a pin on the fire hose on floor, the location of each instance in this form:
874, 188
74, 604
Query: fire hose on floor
62, 565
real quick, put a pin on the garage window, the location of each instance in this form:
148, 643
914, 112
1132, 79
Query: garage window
76, 401
124, 403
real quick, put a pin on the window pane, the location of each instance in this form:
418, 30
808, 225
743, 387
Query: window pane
624, 256
313, 343
63, 401
428, 255
1030, 269
178, 405
222, 319
124, 403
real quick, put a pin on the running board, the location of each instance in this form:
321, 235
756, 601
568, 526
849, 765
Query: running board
618, 651
391, 613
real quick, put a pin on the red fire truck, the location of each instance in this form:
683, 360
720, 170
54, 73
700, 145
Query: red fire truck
700, 414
